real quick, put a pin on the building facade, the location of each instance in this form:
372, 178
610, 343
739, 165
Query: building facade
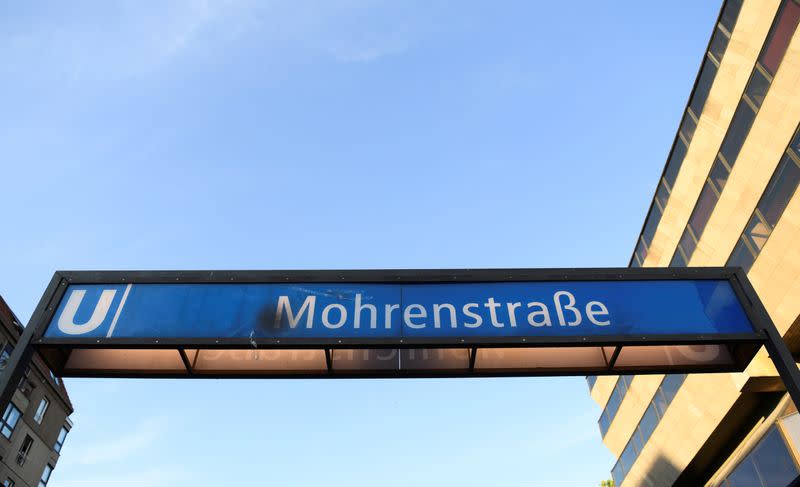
727, 196
36, 423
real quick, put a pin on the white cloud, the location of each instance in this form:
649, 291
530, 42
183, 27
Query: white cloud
119, 448
129, 38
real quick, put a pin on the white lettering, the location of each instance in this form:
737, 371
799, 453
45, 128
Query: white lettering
568, 306
326, 311
66, 322
492, 305
601, 310
373, 313
437, 311
543, 311
388, 316
285, 304
414, 311
475, 316
512, 317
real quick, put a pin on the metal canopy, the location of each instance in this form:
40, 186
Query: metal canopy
400, 350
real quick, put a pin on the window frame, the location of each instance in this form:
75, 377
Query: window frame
22, 454
41, 411
48, 468
59, 444
3, 421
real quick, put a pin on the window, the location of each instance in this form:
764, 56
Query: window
770, 208
702, 211
719, 174
742, 255
674, 163
678, 260
27, 443
779, 36
62, 435
730, 14
590, 379
686, 246
719, 42
780, 189
41, 410
737, 132
8, 483
639, 254
795, 145
614, 402
649, 421
688, 125
770, 463
55, 379
10, 418
707, 74
652, 223
758, 85
5, 354
697, 223
652, 416
48, 469
662, 196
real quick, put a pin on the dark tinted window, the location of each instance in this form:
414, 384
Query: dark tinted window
757, 232
744, 475
671, 384
719, 174
628, 457
662, 195
704, 82
617, 474
687, 126
742, 256
719, 42
678, 260
702, 212
675, 161
795, 144
652, 223
730, 14
779, 36
604, 423
737, 132
773, 461
757, 87
779, 190
648, 422
641, 254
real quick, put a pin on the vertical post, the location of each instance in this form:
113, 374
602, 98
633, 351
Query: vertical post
20, 358
776, 348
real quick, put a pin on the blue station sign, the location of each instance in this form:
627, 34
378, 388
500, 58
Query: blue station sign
393, 311
428, 323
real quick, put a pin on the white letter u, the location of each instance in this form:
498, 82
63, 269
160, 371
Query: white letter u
66, 322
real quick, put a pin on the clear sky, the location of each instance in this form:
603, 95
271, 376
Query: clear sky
333, 134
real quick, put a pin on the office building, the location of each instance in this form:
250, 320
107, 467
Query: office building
727, 196
36, 423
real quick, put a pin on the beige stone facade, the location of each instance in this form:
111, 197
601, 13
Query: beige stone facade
715, 421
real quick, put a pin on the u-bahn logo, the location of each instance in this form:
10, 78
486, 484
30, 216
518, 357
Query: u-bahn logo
73, 318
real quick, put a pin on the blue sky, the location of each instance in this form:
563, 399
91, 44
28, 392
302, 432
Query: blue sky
333, 134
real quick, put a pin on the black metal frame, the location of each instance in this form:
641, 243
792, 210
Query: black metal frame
743, 346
